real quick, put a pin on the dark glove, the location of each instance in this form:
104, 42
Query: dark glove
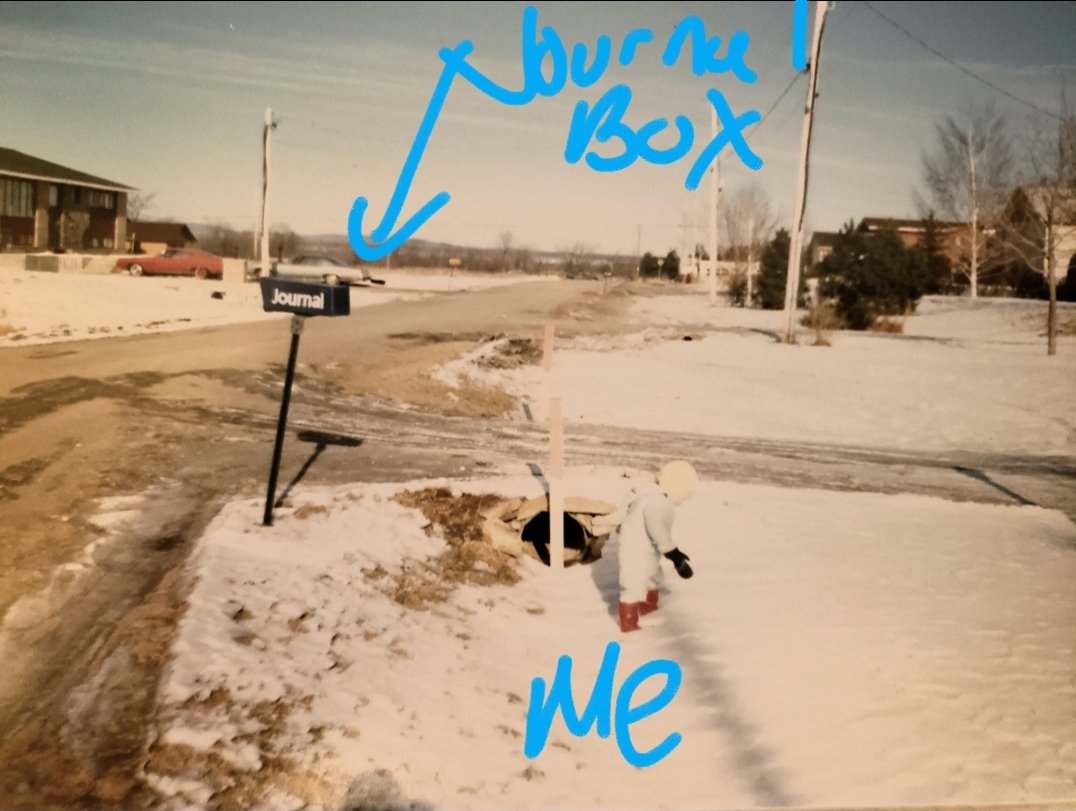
680, 561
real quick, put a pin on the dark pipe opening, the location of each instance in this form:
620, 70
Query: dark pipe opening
536, 531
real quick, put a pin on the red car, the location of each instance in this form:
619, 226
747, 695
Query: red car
175, 262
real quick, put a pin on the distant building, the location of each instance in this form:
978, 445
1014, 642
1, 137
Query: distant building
157, 237
45, 206
1029, 212
820, 246
911, 232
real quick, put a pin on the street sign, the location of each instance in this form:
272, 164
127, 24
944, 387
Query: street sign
304, 298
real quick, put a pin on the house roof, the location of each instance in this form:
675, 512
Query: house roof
877, 223
19, 164
170, 233
821, 239
1042, 197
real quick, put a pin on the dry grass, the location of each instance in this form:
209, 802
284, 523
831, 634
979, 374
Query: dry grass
512, 353
5, 327
468, 559
823, 319
235, 786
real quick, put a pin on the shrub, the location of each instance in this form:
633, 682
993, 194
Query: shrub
1023, 282
769, 293
823, 319
1066, 291
738, 288
871, 275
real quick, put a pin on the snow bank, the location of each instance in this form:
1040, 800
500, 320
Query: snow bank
37, 308
837, 648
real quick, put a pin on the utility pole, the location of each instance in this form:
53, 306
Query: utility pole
266, 260
638, 250
715, 186
792, 281
685, 251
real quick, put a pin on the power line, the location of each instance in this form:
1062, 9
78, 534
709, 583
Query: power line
773, 106
960, 67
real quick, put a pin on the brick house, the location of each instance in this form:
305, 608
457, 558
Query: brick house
157, 237
45, 206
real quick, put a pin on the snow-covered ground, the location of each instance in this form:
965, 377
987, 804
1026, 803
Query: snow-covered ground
38, 308
963, 377
836, 649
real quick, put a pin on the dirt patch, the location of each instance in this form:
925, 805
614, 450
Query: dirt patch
593, 305
307, 510
426, 338
407, 379
90, 753
512, 353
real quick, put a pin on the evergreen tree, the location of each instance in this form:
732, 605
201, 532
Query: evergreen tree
937, 269
773, 271
671, 268
871, 275
648, 266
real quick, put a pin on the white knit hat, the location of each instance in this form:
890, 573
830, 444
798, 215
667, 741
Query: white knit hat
679, 481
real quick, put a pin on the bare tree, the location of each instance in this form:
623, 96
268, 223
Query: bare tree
574, 257
283, 241
505, 241
221, 239
749, 222
1039, 225
137, 203
524, 258
968, 180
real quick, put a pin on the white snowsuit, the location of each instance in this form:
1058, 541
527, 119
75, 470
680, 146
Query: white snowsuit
644, 536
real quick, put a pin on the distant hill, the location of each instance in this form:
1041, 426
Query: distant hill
225, 241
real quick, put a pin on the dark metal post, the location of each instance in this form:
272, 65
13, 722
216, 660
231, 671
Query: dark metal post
296, 331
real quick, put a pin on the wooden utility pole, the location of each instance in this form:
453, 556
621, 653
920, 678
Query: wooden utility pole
792, 281
555, 473
715, 190
638, 250
266, 260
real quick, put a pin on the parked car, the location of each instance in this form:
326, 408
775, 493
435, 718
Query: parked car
175, 262
313, 266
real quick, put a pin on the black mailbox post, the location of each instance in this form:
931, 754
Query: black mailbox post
301, 299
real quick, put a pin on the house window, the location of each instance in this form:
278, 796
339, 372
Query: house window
18, 198
54, 196
102, 199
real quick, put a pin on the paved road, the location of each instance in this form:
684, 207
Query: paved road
189, 417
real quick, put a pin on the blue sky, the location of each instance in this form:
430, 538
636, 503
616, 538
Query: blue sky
171, 98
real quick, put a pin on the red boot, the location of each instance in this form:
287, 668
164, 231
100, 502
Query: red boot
651, 603
629, 616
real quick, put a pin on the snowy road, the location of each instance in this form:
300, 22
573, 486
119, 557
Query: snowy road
1046, 481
